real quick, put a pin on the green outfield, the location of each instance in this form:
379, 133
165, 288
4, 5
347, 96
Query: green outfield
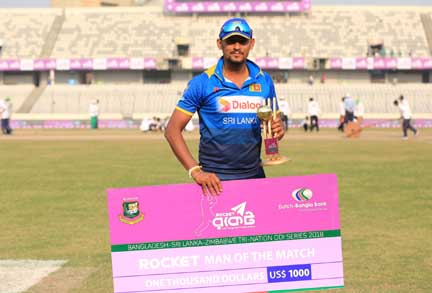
53, 200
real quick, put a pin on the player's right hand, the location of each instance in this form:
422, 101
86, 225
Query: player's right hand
210, 183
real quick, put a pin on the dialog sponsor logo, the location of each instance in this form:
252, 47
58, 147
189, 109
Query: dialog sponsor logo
240, 104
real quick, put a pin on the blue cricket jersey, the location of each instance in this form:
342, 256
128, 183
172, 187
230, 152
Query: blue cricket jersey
230, 143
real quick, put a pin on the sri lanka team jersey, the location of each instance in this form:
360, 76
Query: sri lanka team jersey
230, 143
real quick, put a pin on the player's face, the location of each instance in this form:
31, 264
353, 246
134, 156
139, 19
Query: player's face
236, 49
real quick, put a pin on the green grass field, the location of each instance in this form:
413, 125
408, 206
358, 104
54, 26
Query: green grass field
53, 199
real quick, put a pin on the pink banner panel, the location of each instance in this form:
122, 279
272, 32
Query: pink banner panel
197, 63
118, 63
299, 63
336, 63
236, 6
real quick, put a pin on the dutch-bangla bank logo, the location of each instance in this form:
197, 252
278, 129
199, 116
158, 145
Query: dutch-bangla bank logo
240, 104
302, 194
238, 217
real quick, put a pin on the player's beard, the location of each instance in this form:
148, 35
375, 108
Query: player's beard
232, 61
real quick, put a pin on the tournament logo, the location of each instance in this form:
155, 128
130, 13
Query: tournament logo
302, 194
131, 213
237, 218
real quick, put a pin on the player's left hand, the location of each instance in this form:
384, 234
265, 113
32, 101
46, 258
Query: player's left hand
277, 128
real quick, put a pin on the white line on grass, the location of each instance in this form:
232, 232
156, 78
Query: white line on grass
19, 275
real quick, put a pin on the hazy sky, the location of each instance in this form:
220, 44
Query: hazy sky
25, 3
46, 3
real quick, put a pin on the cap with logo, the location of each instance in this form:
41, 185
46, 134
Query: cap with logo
235, 27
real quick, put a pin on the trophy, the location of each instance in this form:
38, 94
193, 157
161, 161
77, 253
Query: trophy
265, 113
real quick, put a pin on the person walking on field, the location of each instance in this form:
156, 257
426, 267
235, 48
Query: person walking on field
230, 135
406, 116
6, 113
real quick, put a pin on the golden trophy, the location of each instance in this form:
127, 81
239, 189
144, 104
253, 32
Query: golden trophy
265, 113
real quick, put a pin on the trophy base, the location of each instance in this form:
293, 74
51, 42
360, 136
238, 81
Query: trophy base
278, 161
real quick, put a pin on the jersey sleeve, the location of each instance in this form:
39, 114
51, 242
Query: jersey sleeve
192, 96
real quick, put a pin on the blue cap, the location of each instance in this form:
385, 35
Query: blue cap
235, 27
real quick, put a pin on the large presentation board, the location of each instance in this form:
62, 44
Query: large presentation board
259, 235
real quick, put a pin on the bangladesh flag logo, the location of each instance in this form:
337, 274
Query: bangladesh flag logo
131, 212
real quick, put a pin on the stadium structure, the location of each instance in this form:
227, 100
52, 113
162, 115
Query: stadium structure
136, 60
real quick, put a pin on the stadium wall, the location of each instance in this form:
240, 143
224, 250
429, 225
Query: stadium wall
119, 77
164, 76
12, 78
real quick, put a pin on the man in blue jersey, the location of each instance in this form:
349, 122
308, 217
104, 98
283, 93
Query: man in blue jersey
226, 97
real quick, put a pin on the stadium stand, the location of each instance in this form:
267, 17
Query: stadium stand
17, 93
334, 31
326, 32
25, 31
127, 32
117, 32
